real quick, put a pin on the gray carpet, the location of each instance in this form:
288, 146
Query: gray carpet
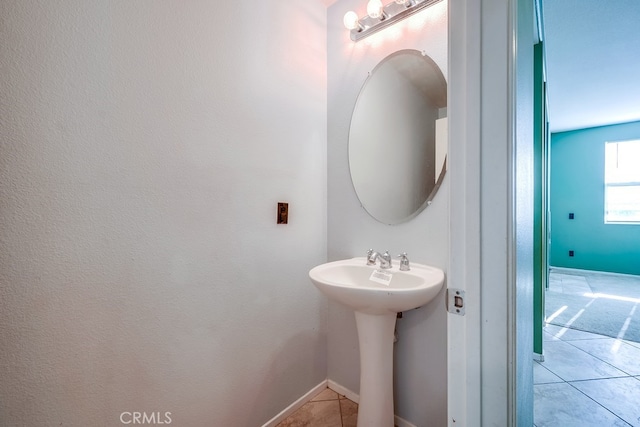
601, 303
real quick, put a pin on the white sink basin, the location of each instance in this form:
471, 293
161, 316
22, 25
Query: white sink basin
349, 282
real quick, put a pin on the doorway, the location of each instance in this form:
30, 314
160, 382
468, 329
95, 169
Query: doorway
581, 234
589, 336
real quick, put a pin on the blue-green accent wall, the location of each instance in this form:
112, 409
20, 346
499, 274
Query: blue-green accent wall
540, 144
577, 186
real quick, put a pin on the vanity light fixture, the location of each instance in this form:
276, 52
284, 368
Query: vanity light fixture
375, 10
379, 16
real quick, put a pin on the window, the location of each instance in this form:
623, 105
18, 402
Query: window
622, 182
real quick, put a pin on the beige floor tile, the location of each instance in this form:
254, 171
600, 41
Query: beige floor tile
326, 394
315, 414
349, 411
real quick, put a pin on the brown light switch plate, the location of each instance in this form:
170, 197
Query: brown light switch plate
283, 213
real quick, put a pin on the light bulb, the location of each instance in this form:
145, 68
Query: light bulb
350, 20
374, 8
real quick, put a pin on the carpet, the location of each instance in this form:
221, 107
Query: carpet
600, 303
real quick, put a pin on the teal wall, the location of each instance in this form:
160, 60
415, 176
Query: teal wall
577, 185
540, 144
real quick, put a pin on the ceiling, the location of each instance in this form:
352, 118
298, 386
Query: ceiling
593, 62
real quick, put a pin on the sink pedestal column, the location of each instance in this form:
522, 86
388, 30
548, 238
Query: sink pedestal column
375, 336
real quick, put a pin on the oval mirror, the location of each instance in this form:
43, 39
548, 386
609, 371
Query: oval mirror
398, 137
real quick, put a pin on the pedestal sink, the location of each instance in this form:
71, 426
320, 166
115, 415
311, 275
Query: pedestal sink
376, 296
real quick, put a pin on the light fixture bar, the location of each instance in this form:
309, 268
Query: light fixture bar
392, 13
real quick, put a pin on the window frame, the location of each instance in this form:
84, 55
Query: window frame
631, 183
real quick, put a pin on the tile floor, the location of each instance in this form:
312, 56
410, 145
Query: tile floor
586, 380
327, 409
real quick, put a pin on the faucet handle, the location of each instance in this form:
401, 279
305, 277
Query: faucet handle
404, 262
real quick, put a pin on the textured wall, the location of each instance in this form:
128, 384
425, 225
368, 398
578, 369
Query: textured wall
143, 148
577, 177
420, 354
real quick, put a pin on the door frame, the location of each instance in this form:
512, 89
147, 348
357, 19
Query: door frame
490, 368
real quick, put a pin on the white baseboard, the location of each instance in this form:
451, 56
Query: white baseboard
402, 422
296, 405
578, 271
354, 397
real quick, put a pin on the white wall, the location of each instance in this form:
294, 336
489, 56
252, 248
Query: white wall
420, 354
143, 148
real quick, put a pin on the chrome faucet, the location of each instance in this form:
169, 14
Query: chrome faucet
404, 262
385, 259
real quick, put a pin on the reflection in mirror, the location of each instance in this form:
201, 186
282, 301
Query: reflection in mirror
398, 137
